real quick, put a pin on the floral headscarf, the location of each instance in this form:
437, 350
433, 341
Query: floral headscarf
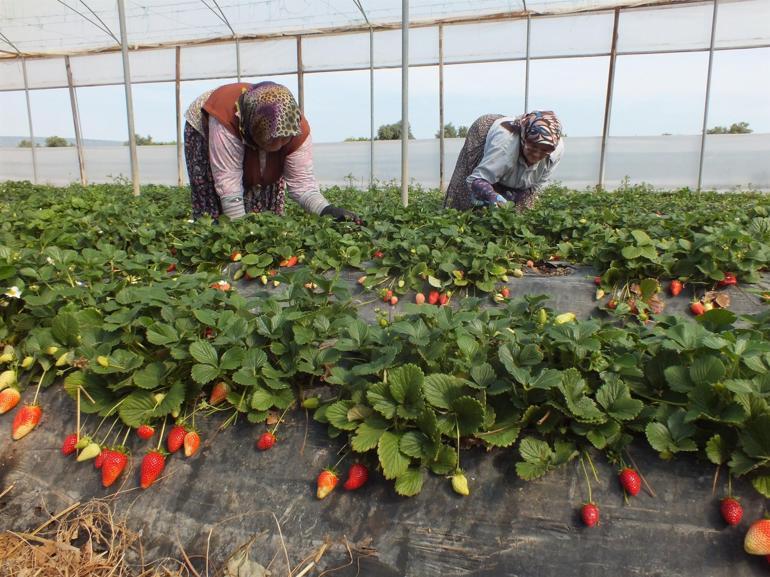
267, 110
539, 127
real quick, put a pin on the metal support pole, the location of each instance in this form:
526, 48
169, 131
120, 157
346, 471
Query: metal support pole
179, 149
76, 122
129, 98
29, 120
708, 96
238, 58
371, 107
441, 107
405, 102
300, 76
526, 69
608, 100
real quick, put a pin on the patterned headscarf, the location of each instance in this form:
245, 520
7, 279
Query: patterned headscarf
267, 110
540, 127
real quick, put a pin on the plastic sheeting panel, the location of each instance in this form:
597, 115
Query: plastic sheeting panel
743, 23
97, 69
339, 51
152, 65
485, 41
423, 47
569, 35
210, 61
267, 57
11, 75
46, 72
668, 28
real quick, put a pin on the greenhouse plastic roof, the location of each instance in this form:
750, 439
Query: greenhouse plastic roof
76, 26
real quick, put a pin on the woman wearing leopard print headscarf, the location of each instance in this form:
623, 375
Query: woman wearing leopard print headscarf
506, 159
245, 145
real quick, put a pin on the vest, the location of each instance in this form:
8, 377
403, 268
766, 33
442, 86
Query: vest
221, 105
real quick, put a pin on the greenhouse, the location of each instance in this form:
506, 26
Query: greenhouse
436, 287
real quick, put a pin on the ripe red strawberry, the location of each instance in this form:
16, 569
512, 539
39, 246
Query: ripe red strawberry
266, 441
757, 540
531, 263
114, 463
729, 280
26, 419
326, 482
597, 280
357, 476
505, 291
443, 299
9, 398
732, 511
208, 333
612, 304
590, 514
235, 256
433, 297
630, 481
697, 308
68, 446
675, 288
393, 300
192, 441
419, 298
175, 438
219, 393
289, 262
386, 295
145, 432
99, 459
378, 254
171, 267
152, 466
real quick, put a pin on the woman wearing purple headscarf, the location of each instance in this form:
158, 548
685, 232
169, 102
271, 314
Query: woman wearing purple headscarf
506, 159
246, 145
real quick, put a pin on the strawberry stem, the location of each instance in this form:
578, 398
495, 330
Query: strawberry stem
345, 454
125, 437
591, 463
279, 420
104, 440
39, 382
729, 484
588, 481
77, 418
162, 430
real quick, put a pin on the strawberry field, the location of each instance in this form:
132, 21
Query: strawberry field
156, 326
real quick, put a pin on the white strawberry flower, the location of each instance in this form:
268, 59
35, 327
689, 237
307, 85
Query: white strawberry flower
13, 292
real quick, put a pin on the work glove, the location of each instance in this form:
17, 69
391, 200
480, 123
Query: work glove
341, 214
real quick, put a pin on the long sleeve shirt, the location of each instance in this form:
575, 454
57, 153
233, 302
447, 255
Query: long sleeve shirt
503, 163
226, 153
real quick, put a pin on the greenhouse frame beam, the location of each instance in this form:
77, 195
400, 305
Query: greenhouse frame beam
405, 103
76, 122
707, 99
129, 99
300, 76
527, 60
371, 91
441, 142
29, 120
178, 103
608, 99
